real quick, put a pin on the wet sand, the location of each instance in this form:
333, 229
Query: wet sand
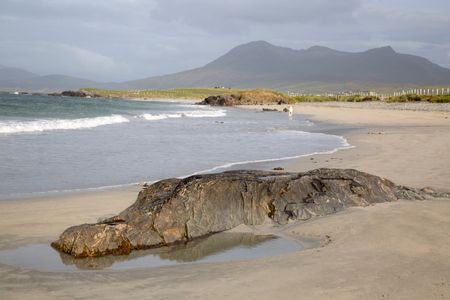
395, 250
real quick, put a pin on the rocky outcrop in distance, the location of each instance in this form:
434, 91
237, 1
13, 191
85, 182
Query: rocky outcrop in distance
247, 98
80, 94
220, 100
180, 210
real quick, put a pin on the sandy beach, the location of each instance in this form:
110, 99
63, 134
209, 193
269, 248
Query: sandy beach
395, 250
409, 147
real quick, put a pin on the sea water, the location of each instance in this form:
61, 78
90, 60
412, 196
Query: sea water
50, 143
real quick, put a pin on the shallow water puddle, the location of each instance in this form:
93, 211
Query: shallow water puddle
215, 248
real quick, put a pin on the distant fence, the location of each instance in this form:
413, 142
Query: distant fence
431, 91
437, 91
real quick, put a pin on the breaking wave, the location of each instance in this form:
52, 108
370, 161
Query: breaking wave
12, 127
185, 114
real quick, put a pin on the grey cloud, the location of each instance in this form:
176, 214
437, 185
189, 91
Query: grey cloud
81, 10
81, 61
237, 15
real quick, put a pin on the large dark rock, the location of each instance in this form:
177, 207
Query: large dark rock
179, 210
227, 100
74, 94
254, 97
80, 94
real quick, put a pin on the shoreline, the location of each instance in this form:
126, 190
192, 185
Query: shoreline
397, 250
55, 194
263, 164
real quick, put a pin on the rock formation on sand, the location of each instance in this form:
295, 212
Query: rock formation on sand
226, 100
247, 98
179, 210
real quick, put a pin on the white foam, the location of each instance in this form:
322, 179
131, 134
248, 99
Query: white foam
205, 114
10, 127
185, 114
151, 117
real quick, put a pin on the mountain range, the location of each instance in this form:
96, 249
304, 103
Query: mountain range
18, 79
260, 64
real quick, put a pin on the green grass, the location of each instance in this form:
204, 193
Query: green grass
259, 95
420, 98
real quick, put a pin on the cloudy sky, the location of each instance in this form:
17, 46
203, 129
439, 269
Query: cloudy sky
116, 40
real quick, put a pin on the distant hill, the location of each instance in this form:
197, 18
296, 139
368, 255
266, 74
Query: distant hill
19, 79
57, 82
12, 74
260, 64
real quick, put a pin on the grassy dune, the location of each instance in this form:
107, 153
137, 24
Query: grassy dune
421, 98
257, 96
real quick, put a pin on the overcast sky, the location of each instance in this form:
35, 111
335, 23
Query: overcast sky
129, 39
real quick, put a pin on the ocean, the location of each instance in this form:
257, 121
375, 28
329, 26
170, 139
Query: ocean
52, 144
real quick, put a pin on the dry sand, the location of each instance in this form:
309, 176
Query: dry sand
388, 251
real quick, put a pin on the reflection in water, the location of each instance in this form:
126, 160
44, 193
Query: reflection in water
214, 248
218, 243
196, 250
